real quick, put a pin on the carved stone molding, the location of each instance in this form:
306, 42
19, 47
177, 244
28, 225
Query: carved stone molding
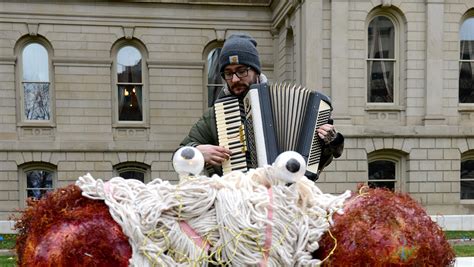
42, 133
220, 35
131, 134
32, 29
128, 32
274, 32
386, 3
384, 116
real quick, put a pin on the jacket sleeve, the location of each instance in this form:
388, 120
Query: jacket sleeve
203, 131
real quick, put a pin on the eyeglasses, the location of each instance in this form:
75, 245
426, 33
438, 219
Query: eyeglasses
241, 73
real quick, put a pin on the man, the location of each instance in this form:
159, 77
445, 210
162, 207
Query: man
240, 67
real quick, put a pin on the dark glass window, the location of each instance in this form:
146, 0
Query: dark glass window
382, 173
381, 60
38, 182
129, 84
466, 61
132, 172
35, 81
467, 179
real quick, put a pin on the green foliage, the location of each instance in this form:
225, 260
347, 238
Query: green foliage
8, 241
464, 250
460, 234
7, 261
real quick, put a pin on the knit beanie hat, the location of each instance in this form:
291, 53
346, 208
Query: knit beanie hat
240, 49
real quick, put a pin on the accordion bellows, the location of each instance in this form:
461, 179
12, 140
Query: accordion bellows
272, 119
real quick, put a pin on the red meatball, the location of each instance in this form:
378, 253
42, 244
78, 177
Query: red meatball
67, 229
383, 228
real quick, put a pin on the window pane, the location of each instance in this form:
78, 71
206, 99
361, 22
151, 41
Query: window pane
35, 63
467, 189
133, 175
36, 101
466, 36
214, 76
381, 38
382, 170
466, 90
380, 81
467, 169
130, 103
129, 65
389, 185
38, 182
467, 179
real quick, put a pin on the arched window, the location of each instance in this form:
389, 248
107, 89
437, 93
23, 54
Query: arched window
35, 81
467, 177
466, 61
214, 80
385, 169
36, 180
382, 62
129, 84
133, 170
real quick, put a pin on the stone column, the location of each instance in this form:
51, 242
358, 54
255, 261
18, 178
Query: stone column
340, 61
311, 44
434, 62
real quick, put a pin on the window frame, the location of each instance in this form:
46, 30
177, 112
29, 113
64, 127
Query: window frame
398, 60
34, 166
144, 123
400, 167
207, 51
465, 156
465, 105
20, 92
133, 166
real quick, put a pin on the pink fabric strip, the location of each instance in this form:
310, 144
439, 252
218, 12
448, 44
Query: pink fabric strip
268, 230
185, 227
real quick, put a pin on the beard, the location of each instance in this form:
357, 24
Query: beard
241, 87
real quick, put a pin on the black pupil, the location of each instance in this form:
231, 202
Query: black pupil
293, 165
187, 153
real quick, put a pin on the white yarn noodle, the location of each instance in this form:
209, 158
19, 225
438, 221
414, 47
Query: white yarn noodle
230, 214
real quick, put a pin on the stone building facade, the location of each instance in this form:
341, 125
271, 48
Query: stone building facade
398, 72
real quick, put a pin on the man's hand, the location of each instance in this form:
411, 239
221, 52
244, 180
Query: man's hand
327, 132
214, 155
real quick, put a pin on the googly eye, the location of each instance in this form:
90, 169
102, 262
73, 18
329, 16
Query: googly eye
188, 160
290, 166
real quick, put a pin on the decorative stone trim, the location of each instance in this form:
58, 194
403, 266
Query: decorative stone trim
32, 29
128, 32
31, 132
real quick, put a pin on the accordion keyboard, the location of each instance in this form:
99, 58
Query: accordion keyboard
316, 146
230, 132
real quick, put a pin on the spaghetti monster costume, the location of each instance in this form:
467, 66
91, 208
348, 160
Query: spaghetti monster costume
237, 220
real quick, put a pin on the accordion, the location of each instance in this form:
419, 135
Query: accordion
270, 120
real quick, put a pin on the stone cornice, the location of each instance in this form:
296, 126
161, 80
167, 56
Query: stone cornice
113, 21
191, 64
60, 61
280, 15
7, 60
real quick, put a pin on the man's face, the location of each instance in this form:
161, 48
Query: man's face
240, 86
